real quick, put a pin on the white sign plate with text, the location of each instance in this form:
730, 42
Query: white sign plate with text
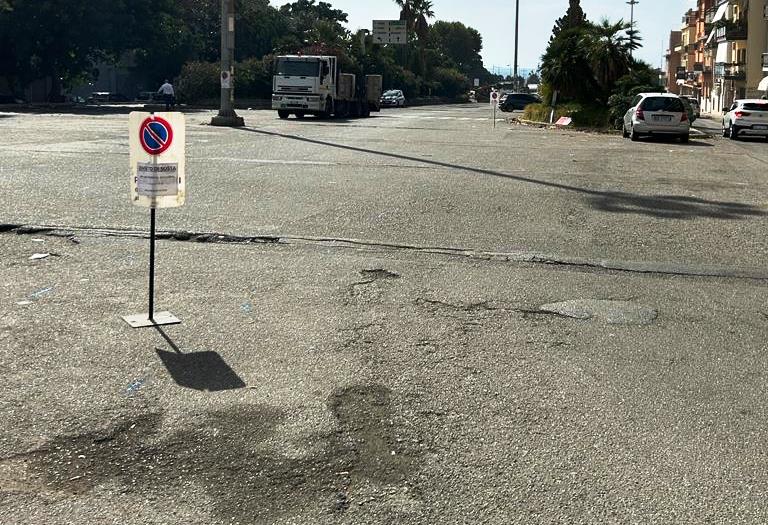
158, 159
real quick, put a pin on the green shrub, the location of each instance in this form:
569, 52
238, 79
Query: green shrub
449, 82
583, 116
198, 81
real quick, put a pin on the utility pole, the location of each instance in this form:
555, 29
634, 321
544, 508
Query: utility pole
227, 115
517, 27
632, 4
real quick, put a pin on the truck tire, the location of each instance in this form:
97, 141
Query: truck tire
283, 114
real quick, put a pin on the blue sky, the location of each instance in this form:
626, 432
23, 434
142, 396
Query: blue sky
495, 20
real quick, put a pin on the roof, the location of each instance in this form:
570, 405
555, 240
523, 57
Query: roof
752, 100
656, 94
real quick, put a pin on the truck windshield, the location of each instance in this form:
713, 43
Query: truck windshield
298, 68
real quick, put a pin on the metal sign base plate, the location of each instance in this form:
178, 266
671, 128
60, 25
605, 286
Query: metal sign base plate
143, 320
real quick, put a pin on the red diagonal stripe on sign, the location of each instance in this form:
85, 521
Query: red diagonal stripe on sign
155, 135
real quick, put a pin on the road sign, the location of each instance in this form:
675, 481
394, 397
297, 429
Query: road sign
390, 32
155, 135
494, 98
226, 80
157, 146
477, 82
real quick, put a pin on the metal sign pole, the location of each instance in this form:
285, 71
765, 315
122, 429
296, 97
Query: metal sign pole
494, 116
151, 310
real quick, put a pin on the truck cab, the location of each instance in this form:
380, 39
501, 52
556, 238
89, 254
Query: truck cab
304, 85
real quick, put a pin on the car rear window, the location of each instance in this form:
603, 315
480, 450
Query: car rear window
756, 106
663, 104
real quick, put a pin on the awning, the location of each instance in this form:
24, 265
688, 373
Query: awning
721, 57
720, 13
711, 36
763, 85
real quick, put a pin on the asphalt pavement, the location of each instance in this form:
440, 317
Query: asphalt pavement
414, 318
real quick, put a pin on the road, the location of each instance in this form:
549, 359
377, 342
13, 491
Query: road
414, 318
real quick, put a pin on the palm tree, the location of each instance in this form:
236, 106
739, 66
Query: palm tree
416, 14
609, 50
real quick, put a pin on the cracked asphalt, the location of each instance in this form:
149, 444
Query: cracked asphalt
408, 319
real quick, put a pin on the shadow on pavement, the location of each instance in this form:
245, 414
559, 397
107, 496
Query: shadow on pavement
662, 206
90, 110
198, 370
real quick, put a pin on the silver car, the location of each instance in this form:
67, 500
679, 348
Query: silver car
746, 117
657, 114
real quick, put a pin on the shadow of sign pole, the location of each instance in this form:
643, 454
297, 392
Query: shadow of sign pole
204, 371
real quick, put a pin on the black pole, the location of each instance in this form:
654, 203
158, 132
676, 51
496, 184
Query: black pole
517, 27
152, 264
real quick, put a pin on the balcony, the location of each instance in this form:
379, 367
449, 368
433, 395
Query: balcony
731, 32
734, 72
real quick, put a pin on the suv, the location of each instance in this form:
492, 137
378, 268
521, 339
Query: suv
513, 101
746, 117
661, 114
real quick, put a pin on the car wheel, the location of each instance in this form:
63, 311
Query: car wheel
634, 137
282, 114
624, 132
684, 138
733, 132
726, 131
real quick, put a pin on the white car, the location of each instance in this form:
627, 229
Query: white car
657, 114
393, 97
746, 117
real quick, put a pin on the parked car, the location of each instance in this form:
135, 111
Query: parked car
393, 97
515, 101
746, 117
101, 97
150, 96
694, 104
657, 114
689, 109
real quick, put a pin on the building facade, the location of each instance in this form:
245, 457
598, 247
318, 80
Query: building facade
722, 54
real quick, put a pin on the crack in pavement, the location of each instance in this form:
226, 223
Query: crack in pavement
519, 257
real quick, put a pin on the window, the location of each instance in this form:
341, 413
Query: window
755, 106
663, 104
298, 68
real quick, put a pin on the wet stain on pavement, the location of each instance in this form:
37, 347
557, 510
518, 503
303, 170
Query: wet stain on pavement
227, 454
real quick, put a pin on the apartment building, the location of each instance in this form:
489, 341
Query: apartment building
723, 52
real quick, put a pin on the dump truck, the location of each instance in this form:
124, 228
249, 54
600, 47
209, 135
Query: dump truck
315, 85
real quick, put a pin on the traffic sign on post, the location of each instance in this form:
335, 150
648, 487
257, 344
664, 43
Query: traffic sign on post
157, 143
157, 157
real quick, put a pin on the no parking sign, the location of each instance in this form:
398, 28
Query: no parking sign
157, 142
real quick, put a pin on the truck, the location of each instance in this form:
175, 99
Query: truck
315, 85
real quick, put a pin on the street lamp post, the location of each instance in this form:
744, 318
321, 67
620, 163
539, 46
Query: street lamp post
517, 27
632, 4
227, 115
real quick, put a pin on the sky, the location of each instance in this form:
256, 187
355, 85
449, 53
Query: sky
495, 19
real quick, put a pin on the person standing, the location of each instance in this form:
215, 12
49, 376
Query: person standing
168, 95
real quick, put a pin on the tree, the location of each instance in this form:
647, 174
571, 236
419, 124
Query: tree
609, 51
416, 14
457, 44
62, 39
565, 66
574, 17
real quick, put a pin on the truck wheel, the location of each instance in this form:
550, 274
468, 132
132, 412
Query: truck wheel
299, 115
282, 114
